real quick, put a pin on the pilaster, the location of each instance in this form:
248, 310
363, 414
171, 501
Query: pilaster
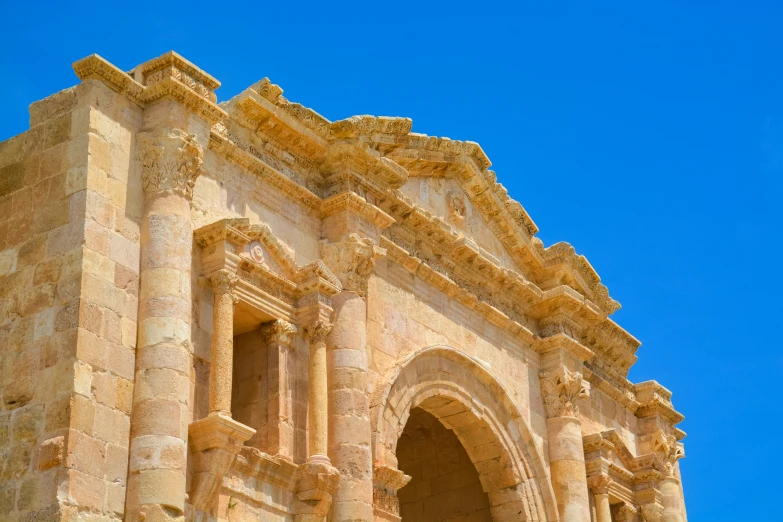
179, 109
352, 260
562, 386
279, 336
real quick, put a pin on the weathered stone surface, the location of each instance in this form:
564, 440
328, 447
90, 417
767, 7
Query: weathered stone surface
246, 311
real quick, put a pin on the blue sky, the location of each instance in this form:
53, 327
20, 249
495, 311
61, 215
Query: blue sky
648, 135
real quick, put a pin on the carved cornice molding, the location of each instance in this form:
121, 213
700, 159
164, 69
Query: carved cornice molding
654, 399
170, 161
561, 390
169, 75
352, 260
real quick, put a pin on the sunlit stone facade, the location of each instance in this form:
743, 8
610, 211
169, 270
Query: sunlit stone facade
243, 311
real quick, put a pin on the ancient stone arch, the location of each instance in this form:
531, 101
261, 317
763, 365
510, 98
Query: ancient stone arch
464, 395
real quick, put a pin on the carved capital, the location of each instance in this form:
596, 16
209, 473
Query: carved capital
223, 282
652, 512
561, 390
317, 331
624, 512
170, 162
599, 484
668, 450
352, 260
280, 332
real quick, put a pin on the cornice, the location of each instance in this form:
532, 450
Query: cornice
169, 75
654, 399
220, 142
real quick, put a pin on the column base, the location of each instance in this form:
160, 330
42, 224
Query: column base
215, 442
317, 481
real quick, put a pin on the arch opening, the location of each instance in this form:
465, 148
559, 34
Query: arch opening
467, 400
445, 485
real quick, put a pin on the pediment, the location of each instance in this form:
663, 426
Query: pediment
254, 250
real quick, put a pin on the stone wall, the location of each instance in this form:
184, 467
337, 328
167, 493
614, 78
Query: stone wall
444, 485
68, 286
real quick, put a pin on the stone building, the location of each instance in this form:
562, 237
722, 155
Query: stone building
243, 311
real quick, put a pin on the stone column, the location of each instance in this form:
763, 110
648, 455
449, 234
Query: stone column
350, 434
280, 407
671, 500
222, 353
318, 392
561, 390
171, 161
599, 486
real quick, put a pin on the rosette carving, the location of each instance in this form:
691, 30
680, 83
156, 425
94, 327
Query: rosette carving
170, 162
561, 390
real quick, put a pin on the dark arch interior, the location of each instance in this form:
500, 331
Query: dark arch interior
444, 484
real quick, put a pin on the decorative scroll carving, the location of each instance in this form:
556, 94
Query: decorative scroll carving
279, 332
668, 450
386, 482
562, 390
352, 260
317, 331
170, 162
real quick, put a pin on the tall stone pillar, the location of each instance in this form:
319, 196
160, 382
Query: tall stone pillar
352, 259
171, 159
222, 350
561, 389
599, 486
318, 393
280, 422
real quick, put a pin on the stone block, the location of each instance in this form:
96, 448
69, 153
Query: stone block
85, 490
27, 423
50, 453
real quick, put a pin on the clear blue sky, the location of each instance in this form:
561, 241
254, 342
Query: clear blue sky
647, 134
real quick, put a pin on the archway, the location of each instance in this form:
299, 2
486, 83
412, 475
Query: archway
445, 485
467, 399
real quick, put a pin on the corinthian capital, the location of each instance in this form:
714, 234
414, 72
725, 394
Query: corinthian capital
170, 161
317, 331
223, 282
599, 484
280, 332
652, 512
352, 260
561, 390
668, 450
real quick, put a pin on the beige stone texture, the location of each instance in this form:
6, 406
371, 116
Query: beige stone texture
245, 311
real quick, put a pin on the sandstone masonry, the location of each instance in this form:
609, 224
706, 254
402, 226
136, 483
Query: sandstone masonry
244, 311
